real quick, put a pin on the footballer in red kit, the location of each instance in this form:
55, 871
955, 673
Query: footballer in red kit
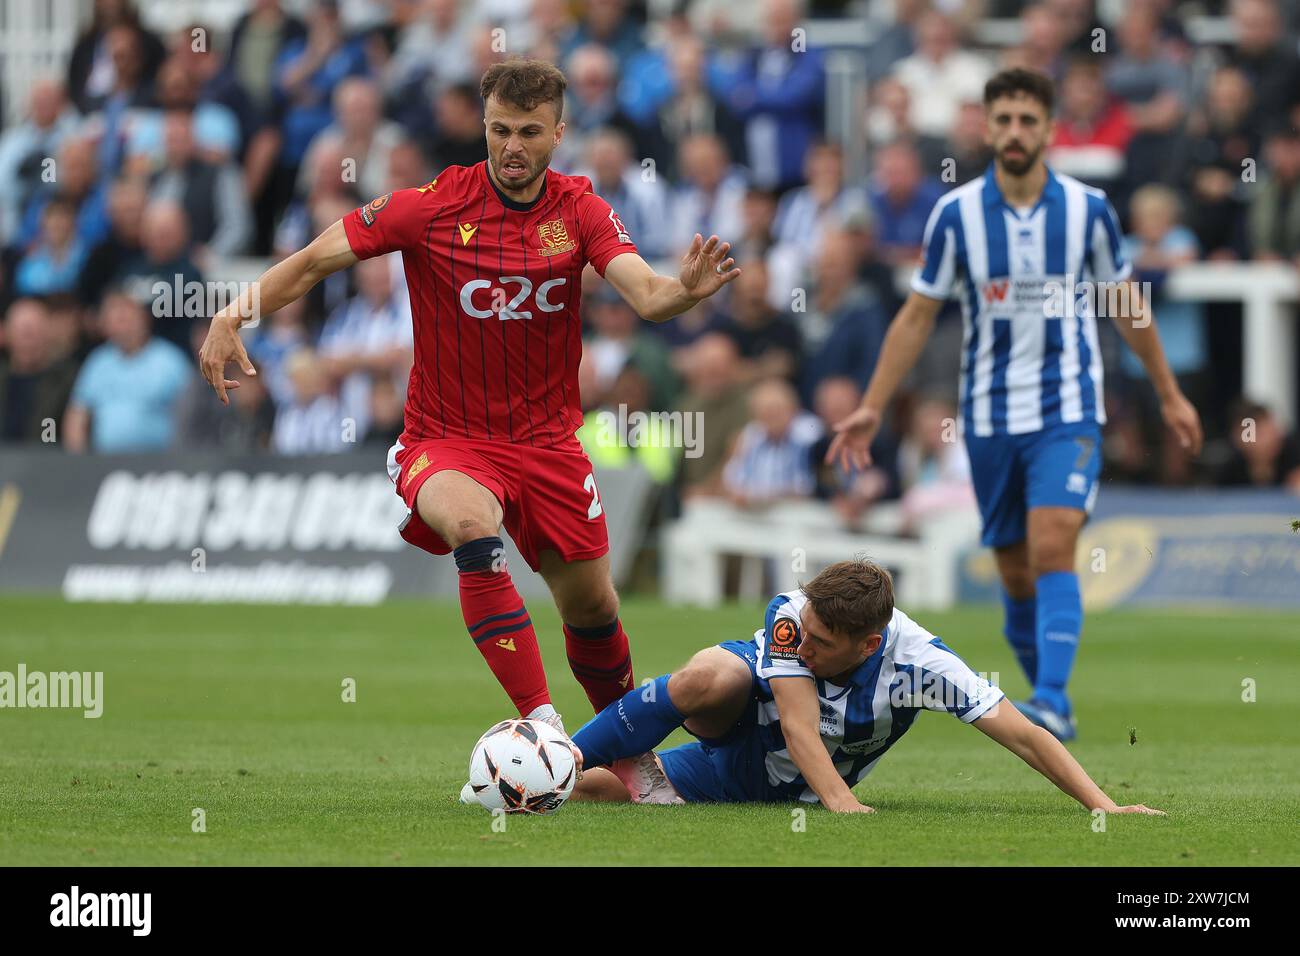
494, 256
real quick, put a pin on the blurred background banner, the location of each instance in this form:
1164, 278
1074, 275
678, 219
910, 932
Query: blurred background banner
1178, 548
260, 529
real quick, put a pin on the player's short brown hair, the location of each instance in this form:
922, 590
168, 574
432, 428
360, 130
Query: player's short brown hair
525, 84
852, 597
1018, 80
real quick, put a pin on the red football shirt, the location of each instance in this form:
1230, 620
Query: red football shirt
495, 292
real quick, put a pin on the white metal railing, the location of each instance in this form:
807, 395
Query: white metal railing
36, 38
1267, 292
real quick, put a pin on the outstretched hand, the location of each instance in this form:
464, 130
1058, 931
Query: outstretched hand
223, 345
706, 267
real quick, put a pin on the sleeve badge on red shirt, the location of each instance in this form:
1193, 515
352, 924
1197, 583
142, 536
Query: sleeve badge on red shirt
372, 208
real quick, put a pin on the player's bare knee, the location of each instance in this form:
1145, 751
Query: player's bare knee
590, 610
707, 682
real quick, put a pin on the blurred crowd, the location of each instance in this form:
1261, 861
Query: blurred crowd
158, 158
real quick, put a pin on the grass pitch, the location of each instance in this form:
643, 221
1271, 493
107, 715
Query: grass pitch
238, 711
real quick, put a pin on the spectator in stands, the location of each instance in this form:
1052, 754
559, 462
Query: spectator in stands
965, 145
637, 192
360, 133
210, 191
901, 199
767, 339
1093, 129
324, 181
1264, 455
879, 277
1220, 139
806, 212
1042, 43
772, 459
620, 340
1275, 202
24, 149
605, 24
164, 264
124, 399
1155, 89
650, 77
367, 338
407, 166
548, 30
851, 491
217, 89
1157, 245
313, 423
689, 108
35, 381
457, 138
756, 236
715, 392
77, 182
54, 263
591, 104
279, 336
242, 427
889, 120
779, 93
709, 193
307, 71
92, 68
387, 410
130, 94
1266, 55
897, 39
108, 258
933, 469
1079, 24
214, 129
939, 75
432, 52
256, 42
844, 326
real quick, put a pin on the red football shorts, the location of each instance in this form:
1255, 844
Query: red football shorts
548, 495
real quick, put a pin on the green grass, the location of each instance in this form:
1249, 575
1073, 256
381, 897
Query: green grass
238, 711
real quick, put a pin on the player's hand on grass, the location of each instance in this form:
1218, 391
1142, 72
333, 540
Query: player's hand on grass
854, 807
1139, 808
1180, 415
223, 345
851, 446
706, 268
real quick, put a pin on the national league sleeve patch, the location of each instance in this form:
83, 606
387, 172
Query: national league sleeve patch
783, 642
372, 208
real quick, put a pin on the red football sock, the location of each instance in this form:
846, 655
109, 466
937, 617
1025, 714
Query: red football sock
503, 633
600, 660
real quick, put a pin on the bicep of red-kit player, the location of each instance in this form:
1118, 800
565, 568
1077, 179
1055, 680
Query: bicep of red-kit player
388, 223
601, 232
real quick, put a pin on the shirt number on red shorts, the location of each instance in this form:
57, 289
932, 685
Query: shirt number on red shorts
594, 510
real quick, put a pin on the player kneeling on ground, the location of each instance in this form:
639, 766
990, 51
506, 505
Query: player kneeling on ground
806, 709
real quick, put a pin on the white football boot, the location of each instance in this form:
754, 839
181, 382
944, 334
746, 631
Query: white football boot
645, 779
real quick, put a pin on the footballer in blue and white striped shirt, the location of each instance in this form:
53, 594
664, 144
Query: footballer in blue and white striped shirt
833, 679
1033, 257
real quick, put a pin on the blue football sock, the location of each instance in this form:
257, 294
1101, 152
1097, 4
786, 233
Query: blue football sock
636, 722
1060, 619
1021, 629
